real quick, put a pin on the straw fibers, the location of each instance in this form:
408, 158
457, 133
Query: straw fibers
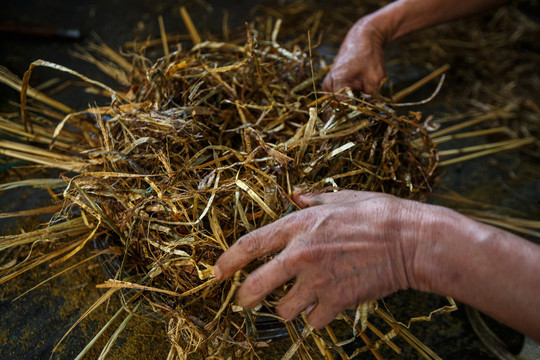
205, 146
200, 147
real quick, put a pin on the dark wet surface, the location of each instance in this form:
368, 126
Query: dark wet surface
31, 326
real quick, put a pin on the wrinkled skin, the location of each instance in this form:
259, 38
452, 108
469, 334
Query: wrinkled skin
349, 247
337, 262
359, 63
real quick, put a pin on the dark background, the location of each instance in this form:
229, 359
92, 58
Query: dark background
32, 325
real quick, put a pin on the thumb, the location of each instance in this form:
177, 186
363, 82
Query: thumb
307, 199
338, 84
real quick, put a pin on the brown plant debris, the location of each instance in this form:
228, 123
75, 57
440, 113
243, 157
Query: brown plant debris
206, 145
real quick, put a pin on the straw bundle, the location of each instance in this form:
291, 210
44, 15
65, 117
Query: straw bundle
206, 146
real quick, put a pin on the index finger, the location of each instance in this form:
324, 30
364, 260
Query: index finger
309, 199
265, 240
335, 85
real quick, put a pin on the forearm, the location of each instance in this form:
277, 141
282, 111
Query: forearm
485, 267
405, 16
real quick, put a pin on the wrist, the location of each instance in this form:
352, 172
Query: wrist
375, 28
436, 231
417, 224
386, 23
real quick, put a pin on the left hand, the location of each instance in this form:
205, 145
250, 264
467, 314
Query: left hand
347, 248
359, 63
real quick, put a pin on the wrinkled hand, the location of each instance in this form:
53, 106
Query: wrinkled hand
359, 63
344, 249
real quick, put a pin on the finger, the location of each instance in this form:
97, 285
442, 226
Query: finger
308, 199
373, 85
298, 299
259, 242
327, 83
371, 88
321, 316
264, 280
335, 83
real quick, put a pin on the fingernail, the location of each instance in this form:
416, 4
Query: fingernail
246, 300
309, 308
291, 317
244, 303
241, 300
301, 199
217, 272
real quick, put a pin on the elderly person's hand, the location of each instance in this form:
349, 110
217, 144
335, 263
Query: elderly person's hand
359, 63
346, 248
349, 247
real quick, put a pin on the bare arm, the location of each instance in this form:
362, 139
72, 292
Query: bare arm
350, 247
490, 269
360, 64
405, 16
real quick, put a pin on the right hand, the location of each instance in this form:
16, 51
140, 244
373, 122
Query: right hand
343, 249
359, 63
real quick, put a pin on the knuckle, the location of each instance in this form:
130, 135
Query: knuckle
287, 266
307, 253
255, 283
312, 197
345, 300
321, 316
288, 309
250, 244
